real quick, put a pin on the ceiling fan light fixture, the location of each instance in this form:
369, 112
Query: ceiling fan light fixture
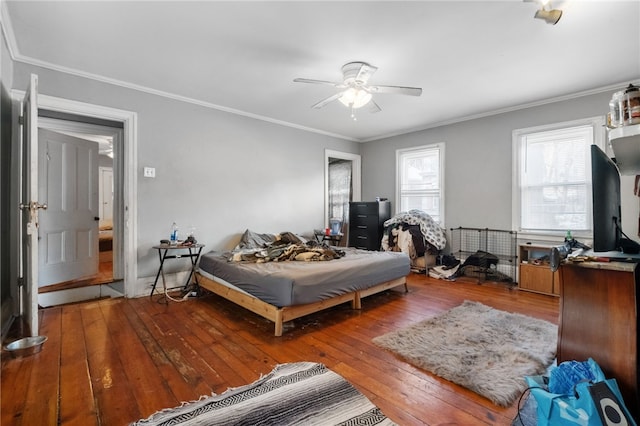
549, 16
355, 98
355, 92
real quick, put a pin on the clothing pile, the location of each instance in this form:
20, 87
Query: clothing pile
481, 265
415, 233
260, 248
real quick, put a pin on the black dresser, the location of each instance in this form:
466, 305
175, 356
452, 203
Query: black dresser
366, 222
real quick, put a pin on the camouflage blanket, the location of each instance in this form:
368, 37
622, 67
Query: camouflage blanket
287, 251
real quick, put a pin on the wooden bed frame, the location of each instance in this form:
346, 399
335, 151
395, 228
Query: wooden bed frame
288, 313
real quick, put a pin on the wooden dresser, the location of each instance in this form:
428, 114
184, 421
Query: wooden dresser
366, 222
599, 320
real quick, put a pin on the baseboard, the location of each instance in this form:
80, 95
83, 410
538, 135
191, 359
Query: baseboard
79, 294
173, 280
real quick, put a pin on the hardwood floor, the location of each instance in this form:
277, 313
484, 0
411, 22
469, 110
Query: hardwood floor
104, 276
111, 362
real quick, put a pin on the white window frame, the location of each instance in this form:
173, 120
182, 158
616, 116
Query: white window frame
399, 153
599, 139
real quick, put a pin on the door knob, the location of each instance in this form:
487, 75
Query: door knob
34, 205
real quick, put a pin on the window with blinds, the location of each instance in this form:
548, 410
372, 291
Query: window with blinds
420, 180
554, 177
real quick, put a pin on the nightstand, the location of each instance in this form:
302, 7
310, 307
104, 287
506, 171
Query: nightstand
331, 239
178, 251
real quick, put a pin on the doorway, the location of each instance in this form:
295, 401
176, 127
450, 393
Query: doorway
67, 227
342, 185
90, 121
106, 135
125, 224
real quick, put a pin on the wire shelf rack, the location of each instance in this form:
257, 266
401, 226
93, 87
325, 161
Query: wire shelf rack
501, 243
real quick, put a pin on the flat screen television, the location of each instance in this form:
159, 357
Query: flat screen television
607, 222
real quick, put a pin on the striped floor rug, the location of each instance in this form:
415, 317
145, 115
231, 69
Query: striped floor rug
302, 393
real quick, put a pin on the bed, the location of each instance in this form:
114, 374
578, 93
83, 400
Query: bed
105, 238
281, 291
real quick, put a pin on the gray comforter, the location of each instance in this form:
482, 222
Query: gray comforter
294, 283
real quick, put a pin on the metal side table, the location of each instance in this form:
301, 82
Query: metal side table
177, 252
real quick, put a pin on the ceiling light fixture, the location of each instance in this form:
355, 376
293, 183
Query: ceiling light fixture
550, 16
355, 98
355, 92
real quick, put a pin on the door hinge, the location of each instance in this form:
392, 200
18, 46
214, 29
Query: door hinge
20, 282
21, 120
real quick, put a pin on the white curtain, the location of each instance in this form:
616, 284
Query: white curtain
339, 189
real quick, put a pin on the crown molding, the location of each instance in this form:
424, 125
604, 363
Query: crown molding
608, 88
7, 29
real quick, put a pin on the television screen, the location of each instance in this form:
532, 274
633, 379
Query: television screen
607, 221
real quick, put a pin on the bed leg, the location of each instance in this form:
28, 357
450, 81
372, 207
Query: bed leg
406, 288
278, 324
356, 303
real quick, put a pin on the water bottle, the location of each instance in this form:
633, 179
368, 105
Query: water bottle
174, 233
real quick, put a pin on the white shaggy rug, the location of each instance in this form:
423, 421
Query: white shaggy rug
483, 349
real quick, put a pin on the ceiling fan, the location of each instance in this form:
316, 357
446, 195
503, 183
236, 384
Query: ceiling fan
355, 92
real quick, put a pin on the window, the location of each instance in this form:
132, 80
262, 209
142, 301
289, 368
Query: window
552, 185
420, 180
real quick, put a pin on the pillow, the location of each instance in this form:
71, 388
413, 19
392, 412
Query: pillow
253, 240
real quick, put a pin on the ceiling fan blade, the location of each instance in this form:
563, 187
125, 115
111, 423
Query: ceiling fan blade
374, 107
397, 90
327, 100
308, 80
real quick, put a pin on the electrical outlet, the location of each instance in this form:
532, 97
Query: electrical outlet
150, 172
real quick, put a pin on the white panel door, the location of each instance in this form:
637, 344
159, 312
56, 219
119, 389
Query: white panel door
30, 206
68, 230
106, 196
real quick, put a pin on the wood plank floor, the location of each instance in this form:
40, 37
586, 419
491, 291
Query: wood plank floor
111, 362
104, 276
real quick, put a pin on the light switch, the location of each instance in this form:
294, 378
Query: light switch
150, 172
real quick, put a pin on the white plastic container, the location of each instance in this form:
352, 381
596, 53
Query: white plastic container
335, 225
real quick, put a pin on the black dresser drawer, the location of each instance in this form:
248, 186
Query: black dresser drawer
361, 232
366, 222
365, 208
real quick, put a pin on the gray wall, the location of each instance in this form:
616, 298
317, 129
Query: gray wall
223, 173
219, 172
478, 162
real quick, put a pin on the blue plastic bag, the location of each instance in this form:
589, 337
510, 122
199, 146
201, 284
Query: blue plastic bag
573, 409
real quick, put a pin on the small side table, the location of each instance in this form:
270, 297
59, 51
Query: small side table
193, 254
331, 239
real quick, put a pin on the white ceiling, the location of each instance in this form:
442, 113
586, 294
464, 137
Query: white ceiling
471, 58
